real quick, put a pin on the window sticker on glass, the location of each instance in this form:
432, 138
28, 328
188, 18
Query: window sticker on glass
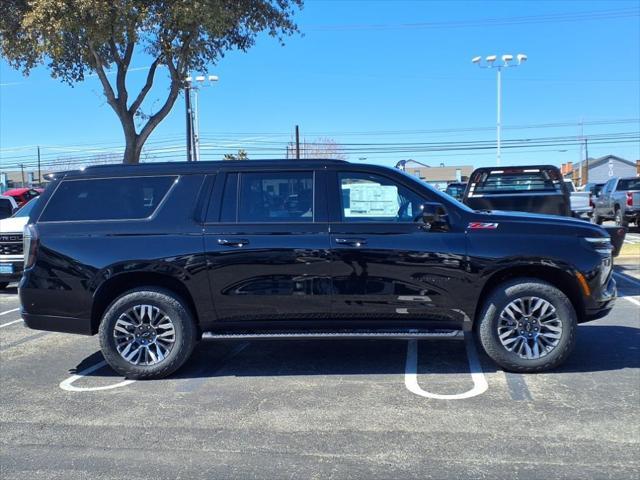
370, 200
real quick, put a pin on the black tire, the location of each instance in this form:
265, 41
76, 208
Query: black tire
500, 298
184, 326
3, 285
619, 219
595, 218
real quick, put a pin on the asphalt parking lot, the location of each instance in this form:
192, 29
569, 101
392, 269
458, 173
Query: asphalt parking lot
323, 409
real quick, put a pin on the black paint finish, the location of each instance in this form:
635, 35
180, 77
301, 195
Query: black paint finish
319, 273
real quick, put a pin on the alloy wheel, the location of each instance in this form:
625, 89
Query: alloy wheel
529, 327
144, 335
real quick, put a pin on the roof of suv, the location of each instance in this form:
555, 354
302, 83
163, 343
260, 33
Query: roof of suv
192, 167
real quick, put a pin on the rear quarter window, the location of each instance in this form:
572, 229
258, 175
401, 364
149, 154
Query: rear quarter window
629, 184
126, 198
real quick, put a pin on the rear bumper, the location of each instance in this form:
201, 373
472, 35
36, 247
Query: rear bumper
58, 324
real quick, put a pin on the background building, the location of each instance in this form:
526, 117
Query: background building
600, 169
439, 176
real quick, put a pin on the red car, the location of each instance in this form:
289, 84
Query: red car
23, 195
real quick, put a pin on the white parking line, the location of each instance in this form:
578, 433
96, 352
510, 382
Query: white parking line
632, 300
10, 323
68, 383
9, 311
411, 373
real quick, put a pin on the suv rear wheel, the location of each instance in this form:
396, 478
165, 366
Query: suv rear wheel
147, 333
527, 325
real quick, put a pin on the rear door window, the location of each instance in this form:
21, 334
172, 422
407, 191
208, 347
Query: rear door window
126, 198
276, 197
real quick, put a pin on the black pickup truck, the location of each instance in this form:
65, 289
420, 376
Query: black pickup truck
157, 256
531, 189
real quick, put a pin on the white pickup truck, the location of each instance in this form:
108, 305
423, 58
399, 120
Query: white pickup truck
11, 254
580, 201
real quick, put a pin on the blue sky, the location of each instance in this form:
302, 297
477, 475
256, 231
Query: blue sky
363, 72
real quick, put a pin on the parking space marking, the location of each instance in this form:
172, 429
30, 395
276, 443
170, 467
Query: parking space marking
9, 311
68, 383
10, 323
480, 384
632, 300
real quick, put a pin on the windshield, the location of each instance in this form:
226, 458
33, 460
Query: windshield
437, 193
25, 210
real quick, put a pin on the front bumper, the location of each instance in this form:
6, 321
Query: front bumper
16, 266
601, 301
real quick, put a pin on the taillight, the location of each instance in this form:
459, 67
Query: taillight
30, 245
629, 199
591, 204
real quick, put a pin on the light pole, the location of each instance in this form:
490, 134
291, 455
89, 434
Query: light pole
191, 103
490, 63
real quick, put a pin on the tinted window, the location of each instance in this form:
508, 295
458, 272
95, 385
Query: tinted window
106, 199
25, 211
373, 198
276, 197
229, 199
6, 208
629, 184
515, 181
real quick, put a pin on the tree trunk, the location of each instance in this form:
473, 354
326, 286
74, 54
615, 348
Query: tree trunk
132, 149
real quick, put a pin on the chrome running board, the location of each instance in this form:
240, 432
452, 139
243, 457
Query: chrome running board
399, 335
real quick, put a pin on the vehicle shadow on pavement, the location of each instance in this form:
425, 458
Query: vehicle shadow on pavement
9, 291
603, 348
598, 348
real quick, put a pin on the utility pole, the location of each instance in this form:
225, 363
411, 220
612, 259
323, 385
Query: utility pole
187, 104
498, 117
22, 168
297, 143
586, 161
39, 172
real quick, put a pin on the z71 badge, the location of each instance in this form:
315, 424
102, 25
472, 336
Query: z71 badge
482, 226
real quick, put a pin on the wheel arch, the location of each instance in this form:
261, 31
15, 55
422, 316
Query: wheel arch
559, 278
115, 286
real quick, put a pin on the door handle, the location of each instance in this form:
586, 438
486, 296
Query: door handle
354, 242
241, 242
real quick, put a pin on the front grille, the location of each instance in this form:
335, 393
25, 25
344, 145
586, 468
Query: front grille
11, 244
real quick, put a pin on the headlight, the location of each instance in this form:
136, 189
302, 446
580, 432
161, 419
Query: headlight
601, 245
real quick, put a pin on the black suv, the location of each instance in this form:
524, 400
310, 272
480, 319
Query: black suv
154, 257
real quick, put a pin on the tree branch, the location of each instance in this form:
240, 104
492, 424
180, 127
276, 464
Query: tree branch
156, 118
108, 90
147, 86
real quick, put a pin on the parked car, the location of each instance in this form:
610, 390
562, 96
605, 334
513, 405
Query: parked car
23, 195
157, 256
533, 188
619, 200
580, 201
11, 244
7, 206
456, 190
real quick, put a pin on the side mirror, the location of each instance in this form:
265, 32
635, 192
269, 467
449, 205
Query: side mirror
434, 216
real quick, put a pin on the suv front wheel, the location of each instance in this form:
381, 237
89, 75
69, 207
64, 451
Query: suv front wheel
147, 333
527, 325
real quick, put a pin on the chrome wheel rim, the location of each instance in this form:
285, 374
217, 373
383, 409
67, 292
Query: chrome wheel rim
529, 327
144, 335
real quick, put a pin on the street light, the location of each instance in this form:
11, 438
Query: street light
490, 62
191, 105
